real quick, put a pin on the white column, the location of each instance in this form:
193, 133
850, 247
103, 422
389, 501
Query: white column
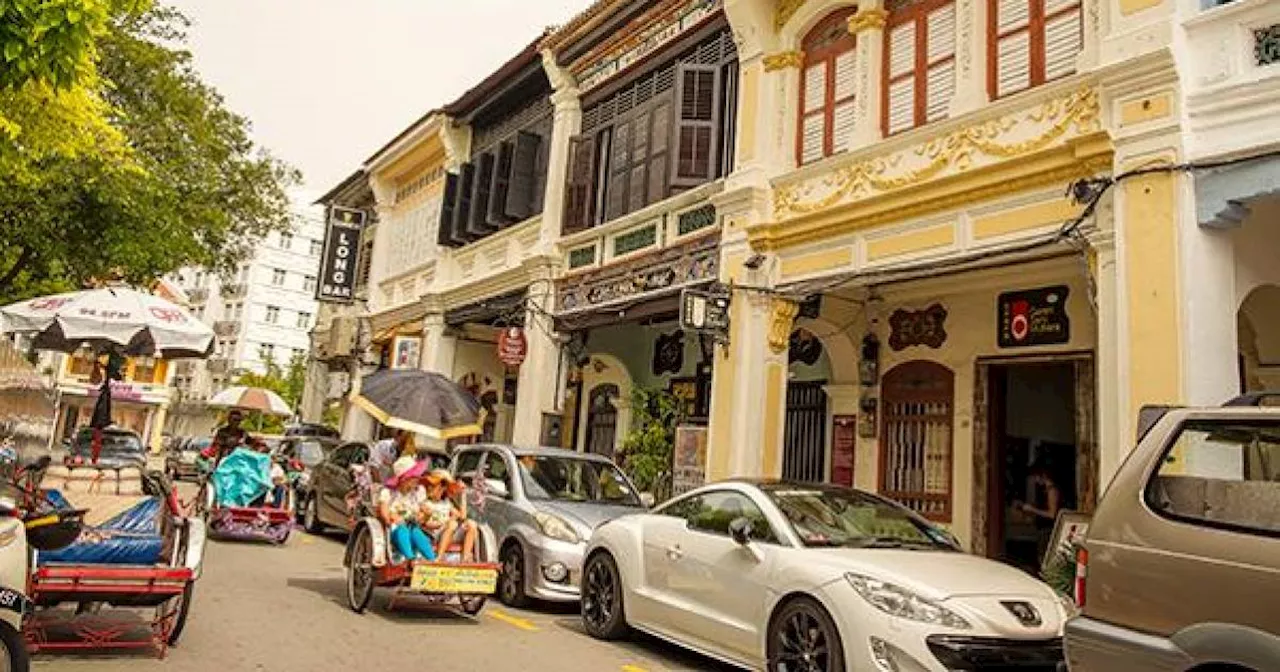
868, 26
538, 379
972, 92
438, 347
1111, 381
1210, 342
566, 122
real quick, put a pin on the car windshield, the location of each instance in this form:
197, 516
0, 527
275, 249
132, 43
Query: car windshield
840, 517
113, 443
575, 480
310, 453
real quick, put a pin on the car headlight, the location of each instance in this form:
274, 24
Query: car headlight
898, 601
555, 527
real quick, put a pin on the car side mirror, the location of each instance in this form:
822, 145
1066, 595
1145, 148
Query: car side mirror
740, 530
497, 488
646, 500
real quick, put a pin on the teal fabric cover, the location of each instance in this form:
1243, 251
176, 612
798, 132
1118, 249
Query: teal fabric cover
242, 477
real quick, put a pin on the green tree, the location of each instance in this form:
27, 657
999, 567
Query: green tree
171, 179
287, 381
648, 449
52, 41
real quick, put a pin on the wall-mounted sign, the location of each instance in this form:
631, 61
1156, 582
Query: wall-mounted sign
689, 459
512, 346
406, 352
844, 430
703, 311
668, 353
918, 327
1033, 317
341, 256
805, 347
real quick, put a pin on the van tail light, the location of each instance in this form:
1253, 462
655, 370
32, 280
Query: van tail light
1082, 573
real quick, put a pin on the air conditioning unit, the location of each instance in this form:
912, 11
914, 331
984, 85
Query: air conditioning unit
342, 337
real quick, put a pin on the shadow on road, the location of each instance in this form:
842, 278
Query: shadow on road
408, 608
641, 644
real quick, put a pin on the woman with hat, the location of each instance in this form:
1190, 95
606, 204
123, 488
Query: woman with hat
401, 506
447, 515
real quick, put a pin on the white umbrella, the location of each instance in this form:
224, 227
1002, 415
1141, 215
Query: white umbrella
111, 318
250, 399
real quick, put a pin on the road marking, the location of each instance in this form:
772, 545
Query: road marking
633, 668
512, 620
307, 540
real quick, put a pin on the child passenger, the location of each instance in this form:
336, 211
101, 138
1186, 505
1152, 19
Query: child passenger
447, 513
401, 505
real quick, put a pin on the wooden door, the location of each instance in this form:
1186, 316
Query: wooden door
916, 437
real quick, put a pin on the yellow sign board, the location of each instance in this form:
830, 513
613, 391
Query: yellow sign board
446, 579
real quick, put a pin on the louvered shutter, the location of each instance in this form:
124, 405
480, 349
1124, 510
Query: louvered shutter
902, 86
1013, 46
844, 112
813, 126
697, 99
940, 75
579, 190
448, 204
522, 192
1062, 39
637, 188
500, 184
477, 220
466, 180
660, 121
619, 170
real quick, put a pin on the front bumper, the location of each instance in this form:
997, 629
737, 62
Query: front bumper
1095, 645
542, 562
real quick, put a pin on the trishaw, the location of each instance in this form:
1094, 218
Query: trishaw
448, 582
243, 523
140, 552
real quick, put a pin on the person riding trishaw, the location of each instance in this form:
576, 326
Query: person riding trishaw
424, 512
447, 511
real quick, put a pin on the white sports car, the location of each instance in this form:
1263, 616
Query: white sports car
794, 577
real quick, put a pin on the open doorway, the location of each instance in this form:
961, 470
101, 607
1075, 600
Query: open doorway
1034, 456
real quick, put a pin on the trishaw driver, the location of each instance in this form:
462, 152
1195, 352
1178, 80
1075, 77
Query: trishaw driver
229, 436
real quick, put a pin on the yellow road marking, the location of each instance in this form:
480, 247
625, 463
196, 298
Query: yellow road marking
307, 540
512, 620
633, 668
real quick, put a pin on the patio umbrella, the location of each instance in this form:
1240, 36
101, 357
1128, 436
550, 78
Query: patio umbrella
419, 401
251, 399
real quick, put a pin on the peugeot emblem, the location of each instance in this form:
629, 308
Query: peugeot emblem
1024, 612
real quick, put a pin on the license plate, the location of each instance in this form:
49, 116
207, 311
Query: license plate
446, 579
14, 601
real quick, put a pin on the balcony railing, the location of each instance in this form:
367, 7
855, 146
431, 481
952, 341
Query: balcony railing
235, 290
226, 328
198, 295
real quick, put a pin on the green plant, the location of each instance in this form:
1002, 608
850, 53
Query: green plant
648, 447
1060, 572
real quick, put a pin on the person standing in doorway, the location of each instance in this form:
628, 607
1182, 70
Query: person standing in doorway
1044, 500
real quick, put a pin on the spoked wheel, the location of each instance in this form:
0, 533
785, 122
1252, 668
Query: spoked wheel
803, 638
602, 612
360, 572
511, 583
177, 610
13, 651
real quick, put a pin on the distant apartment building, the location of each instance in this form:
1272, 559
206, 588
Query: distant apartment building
265, 311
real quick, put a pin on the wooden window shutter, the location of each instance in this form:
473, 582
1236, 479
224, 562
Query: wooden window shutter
843, 109
466, 180
1063, 37
637, 187
500, 186
448, 205
619, 170
901, 90
940, 66
1012, 60
728, 118
579, 190
660, 148
477, 221
697, 100
1032, 42
524, 176
814, 102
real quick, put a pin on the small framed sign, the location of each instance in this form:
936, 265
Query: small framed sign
1033, 317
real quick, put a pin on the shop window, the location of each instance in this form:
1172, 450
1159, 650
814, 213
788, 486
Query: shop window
82, 364
1031, 42
919, 64
144, 369
915, 437
827, 88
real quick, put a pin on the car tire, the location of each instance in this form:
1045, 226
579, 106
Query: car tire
511, 583
603, 613
818, 646
15, 649
311, 517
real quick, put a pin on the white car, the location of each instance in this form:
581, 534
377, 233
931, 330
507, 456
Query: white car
794, 577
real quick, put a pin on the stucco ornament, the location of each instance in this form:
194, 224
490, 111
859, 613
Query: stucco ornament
783, 60
867, 19
782, 316
986, 142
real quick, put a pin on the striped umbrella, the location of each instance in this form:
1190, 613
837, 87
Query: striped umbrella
419, 401
251, 399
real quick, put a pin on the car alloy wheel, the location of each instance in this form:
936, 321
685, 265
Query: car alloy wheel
803, 638
512, 581
311, 519
602, 612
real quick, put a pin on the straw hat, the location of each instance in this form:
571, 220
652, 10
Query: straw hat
438, 476
404, 468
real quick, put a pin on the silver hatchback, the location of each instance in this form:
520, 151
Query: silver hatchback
542, 505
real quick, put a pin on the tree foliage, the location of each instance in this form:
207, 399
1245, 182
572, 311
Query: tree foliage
134, 172
648, 449
287, 381
50, 41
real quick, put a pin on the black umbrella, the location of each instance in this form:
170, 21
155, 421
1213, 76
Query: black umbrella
419, 401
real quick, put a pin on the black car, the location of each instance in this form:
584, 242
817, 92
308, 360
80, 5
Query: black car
311, 429
120, 448
331, 481
308, 452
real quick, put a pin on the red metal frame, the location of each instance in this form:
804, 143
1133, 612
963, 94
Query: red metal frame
274, 515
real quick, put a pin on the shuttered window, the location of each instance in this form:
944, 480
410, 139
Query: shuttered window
697, 122
481, 188
827, 91
448, 209
916, 437
1032, 42
920, 61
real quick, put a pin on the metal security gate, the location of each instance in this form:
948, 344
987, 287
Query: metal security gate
915, 437
602, 420
804, 449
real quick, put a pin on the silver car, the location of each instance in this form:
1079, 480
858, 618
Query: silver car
542, 504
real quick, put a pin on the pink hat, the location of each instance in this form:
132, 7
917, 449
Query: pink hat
406, 467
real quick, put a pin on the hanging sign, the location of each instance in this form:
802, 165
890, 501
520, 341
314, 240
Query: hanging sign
1033, 317
341, 256
844, 430
704, 311
512, 346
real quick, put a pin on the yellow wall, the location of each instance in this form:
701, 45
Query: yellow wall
1151, 253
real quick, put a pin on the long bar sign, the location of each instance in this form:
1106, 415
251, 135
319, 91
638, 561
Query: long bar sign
341, 256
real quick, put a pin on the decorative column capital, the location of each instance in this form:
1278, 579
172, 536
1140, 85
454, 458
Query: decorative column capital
782, 316
782, 60
868, 19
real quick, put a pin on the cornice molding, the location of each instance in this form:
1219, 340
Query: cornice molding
868, 19
782, 60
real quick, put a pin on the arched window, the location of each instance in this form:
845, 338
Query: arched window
919, 63
1032, 42
827, 88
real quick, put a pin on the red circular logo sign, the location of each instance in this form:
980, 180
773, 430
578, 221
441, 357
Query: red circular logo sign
1020, 324
512, 346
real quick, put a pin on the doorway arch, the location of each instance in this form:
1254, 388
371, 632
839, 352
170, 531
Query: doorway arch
604, 372
1258, 339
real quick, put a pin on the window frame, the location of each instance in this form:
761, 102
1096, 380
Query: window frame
1152, 475
775, 538
1037, 19
826, 54
917, 13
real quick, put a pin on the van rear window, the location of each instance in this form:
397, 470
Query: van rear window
1221, 474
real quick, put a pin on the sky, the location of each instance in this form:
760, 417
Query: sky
328, 82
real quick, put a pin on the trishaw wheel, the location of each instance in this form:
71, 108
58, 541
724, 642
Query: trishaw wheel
14, 657
180, 620
360, 572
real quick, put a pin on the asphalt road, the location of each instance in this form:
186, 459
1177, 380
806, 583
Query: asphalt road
283, 609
